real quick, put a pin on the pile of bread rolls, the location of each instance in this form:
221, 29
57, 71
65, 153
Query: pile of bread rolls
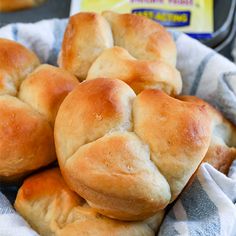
126, 143
30, 95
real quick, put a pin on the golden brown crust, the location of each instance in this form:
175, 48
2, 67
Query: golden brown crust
46, 88
46, 184
117, 63
16, 62
177, 132
220, 156
45, 201
86, 36
143, 38
52, 208
100, 156
26, 139
26, 136
92, 110
222, 151
119, 181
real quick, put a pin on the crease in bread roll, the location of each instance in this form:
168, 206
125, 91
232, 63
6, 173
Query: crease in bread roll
26, 139
16, 62
93, 110
51, 208
26, 124
144, 56
111, 168
222, 149
46, 88
177, 132
86, 36
143, 38
120, 182
117, 63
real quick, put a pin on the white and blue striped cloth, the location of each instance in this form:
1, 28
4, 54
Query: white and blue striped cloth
207, 208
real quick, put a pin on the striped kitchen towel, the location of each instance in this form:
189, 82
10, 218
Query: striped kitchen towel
11, 224
207, 207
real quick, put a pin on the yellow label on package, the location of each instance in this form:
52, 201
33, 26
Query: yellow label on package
194, 17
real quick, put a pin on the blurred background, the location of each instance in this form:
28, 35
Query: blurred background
224, 18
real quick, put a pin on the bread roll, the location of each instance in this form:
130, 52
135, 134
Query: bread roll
96, 108
26, 124
46, 88
117, 63
26, 139
51, 208
107, 141
222, 151
14, 5
16, 62
142, 37
172, 130
86, 36
119, 181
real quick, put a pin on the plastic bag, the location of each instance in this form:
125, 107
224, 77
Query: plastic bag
194, 17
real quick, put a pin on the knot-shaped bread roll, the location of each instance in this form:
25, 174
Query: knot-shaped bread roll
51, 208
46, 88
128, 156
222, 151
16, 62
145, 56
145, 39
27, 118
86, 36
117, 63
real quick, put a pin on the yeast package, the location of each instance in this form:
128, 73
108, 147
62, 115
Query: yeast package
194, 17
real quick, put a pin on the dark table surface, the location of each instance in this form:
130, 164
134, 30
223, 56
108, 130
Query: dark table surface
47, 10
